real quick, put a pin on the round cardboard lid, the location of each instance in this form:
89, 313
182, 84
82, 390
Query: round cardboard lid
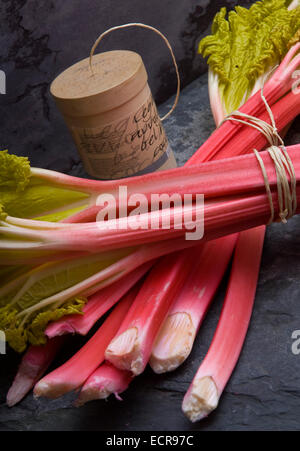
117, 77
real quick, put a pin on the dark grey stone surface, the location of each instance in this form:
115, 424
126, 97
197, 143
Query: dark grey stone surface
40, 38
264, 392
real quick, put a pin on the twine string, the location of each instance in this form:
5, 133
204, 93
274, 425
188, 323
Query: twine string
270, 131
287, 195
285, 172
149, 27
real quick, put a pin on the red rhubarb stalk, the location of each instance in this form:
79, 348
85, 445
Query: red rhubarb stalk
211, 378
73, 374
131, 348
229, 208
105, 381
33, 366
176, 337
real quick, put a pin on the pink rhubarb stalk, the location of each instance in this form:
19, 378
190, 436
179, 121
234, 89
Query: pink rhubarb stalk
97, 305
131, 348
229, 208
105, 381
34, 364
73, 374
276, 88
206, 389
176, 337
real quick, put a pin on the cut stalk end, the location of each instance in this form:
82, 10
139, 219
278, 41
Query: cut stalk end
58, 329
19, 390
201, 400
105, 381
51, 390
173, 343
124, 352
92, 393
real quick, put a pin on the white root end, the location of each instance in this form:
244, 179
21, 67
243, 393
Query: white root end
201, 399
173, 343
124, 352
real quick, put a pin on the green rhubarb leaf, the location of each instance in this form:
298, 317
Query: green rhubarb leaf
246, 43
18, 335
52, 278
41, 283
3, 214
60, 216
24, 195
8, 273
36, 330
14, 171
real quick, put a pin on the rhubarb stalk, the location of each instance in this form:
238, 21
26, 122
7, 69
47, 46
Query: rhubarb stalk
73, 374
131, 348
34, 364
176, 337
240, 187
173, 345
206, 389
105, 381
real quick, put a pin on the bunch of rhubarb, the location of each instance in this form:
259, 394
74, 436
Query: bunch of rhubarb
243, 203
86, 256
67, 255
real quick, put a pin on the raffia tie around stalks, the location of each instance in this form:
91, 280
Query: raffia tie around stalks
287, 197
285, 172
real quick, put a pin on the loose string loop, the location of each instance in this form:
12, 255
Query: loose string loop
149, 27
287, 194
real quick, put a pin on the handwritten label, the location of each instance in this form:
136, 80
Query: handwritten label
125, 147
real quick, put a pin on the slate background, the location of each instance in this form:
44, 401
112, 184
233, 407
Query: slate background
40, 38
